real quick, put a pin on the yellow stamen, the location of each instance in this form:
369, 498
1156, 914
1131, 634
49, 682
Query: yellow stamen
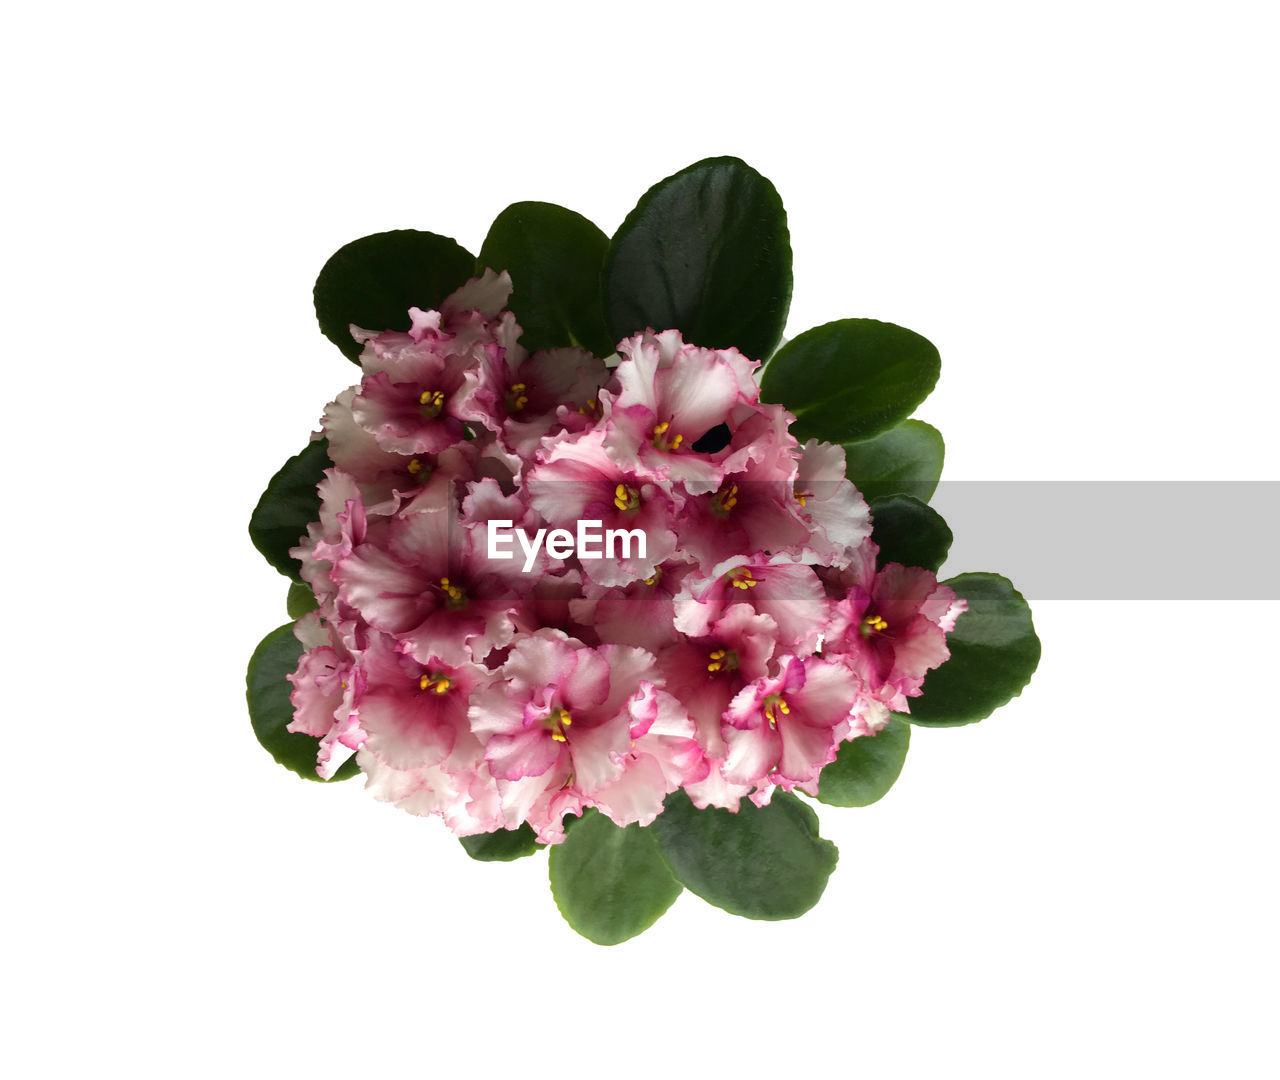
431, 397
774, 704
801, 496
660, 440
874, 622
439, 683
517, 399
652, 579
414, 467
740, 578
558, 737
724, 501
456, 596
625, 498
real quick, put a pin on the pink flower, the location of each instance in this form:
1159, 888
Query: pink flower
670, 395
890, 626
579, 481
326, 686
558, 717
789, 593
782, 730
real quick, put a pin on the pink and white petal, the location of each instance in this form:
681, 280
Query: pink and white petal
529, 752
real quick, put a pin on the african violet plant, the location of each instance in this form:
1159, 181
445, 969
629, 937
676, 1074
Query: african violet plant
582, 562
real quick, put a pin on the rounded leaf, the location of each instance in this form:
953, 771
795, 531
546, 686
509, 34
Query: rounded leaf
610, 884
300, 600
705, 252
994, 652
866, 767
290, 503
504, 845
554, 257
374, 281
905, 460
852, 379
909, 532
270, 710
764, 862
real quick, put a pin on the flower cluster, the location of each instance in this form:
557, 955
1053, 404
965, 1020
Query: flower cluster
729, 655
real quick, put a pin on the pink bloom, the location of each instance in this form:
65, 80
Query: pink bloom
890, 626
558, 717
789, 593
670, 395
706, 674
326, 686
640, 613
579, 481
782, 730
837, 514
431, 584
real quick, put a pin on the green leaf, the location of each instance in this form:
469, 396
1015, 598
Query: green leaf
909, 532
852, 379
374, 281
505, 845
300, 600
906, 460
290, 503
555, 258
866, 768
764, 862
610, 884
706, 252
270, 710
994, 651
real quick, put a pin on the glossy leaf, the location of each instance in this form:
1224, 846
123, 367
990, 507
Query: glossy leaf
764, 862
994, 652
706, 252
905, 460
290, 503
300, 600
909, 532
555, 258
374, 281
610, 884
270, 710
852, 379
866, 767
505, 845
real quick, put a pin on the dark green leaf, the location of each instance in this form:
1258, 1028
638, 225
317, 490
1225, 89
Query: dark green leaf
290, 503
909, 532
906, 460
300, 600
374, 281
706, 252
554, 257
505, 845
610, 884
866, 768
764, 862
270, 710
852, 379
994, 651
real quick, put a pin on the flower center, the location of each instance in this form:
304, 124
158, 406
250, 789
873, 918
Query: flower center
724, 500
420, 469
873, 624
740, 578
516, 398
722, 660
626, 498
557, 720
652, 579
664, 442
801, 496
435, 682
430, 402
455, 598
773, 705
591, 408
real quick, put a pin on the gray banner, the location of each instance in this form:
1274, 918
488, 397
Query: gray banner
1118, 539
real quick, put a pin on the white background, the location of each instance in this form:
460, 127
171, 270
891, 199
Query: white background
1075, 202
